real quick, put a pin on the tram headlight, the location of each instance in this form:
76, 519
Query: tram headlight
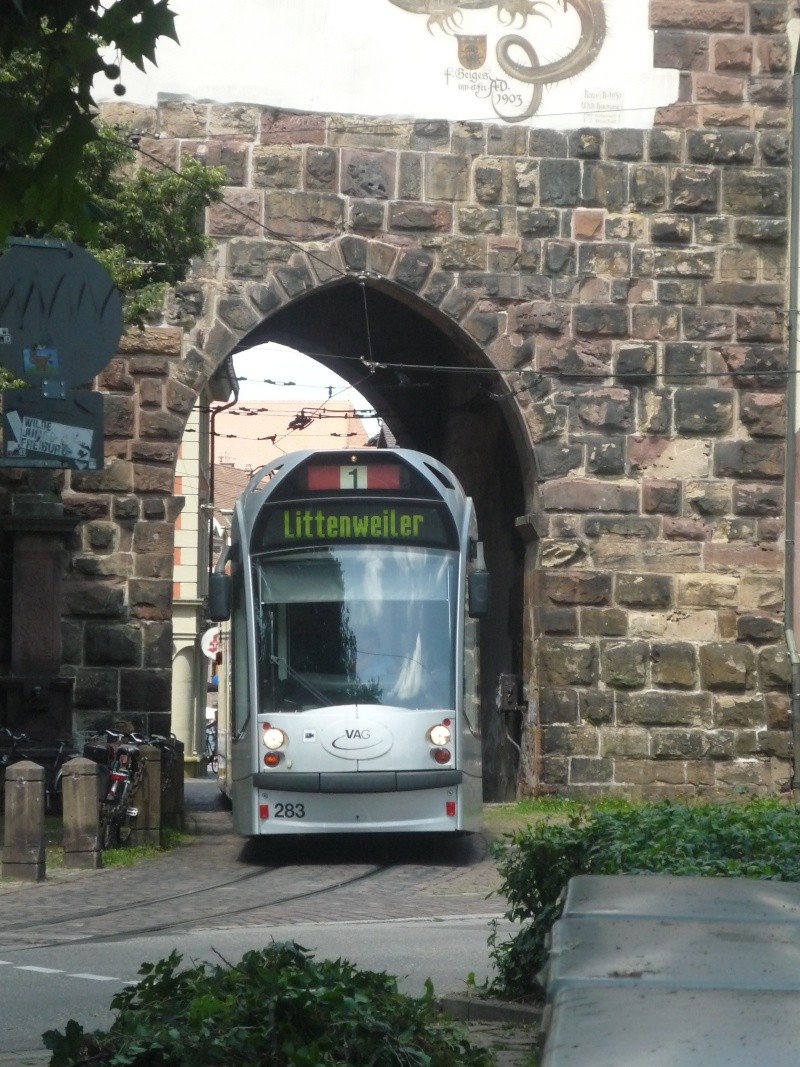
274, 738
439, 735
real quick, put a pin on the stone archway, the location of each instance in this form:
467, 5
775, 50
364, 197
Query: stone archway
431, 383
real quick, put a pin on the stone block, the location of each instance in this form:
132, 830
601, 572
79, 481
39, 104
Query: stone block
762, 592
648, 188
596, 706
695, 189
625, 744
661, 497
764, 414
721, 146
665, 460
558, 706
739, 712
758, 628
758, 498
703, 411
150, 598
603, 622
96, 688
708, 323
554, 621
559, 182
675, 625
663, 708
607, 410
145, 690
708, 498
686, 529
600, 320
570, 741
707, 591
774, 669
756, 366
584, 770
605, 456
112, 645
623, 665
727, 666
750, 191
567, 663
644, 590
674, 665
581, 495
749, 459
577, 587
624, 526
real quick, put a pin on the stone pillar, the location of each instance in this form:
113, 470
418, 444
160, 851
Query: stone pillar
34, 698
23, 843
82, 814
147, 800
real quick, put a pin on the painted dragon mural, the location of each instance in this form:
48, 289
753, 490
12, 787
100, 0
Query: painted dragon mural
514, 14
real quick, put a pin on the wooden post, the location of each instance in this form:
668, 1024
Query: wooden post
82, 814
23, 841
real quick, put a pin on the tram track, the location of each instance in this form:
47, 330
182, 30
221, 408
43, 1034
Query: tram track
139, 929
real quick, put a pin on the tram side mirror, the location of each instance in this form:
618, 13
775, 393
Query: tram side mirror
478, 593
220, 596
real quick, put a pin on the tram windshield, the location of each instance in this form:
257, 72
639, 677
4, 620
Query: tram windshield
356, 625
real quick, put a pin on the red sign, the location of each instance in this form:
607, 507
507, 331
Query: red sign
356, 476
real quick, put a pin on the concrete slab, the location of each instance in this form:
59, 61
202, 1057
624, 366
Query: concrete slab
638, 896
631, 1027
673, 955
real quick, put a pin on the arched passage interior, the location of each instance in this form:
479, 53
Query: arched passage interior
427, 381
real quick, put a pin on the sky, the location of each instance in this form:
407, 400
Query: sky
281, 364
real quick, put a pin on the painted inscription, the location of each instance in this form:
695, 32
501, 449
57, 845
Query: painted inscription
515, 86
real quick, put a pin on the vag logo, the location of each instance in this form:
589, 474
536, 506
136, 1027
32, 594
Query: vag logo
356, 740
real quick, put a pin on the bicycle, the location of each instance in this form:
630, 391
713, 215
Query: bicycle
212, 755
42, 753
120, 753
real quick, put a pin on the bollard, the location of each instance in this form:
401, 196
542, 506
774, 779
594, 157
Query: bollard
23, 842
146, 826
82, 814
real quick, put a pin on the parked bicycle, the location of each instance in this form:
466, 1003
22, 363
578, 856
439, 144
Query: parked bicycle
121, 755
52, 755
212, 756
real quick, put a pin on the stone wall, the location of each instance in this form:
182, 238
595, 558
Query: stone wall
635, 280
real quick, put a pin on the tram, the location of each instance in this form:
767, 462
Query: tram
352, 586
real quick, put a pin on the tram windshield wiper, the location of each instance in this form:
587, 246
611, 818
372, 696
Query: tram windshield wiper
279, 661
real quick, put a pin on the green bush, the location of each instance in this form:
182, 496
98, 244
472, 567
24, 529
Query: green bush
760, 839
277, 1007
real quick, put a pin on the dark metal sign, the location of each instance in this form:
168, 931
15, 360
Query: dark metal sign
40, 431
60, 312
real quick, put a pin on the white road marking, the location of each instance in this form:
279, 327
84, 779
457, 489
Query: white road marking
57, 970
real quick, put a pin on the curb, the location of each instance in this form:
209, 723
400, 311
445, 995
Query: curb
478, 1009
25, 1059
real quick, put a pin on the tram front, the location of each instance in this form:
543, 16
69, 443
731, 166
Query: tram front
352, 710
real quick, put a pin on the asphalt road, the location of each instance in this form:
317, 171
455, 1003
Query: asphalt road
42, 988
415, 908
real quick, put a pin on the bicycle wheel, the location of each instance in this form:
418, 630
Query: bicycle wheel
109, 828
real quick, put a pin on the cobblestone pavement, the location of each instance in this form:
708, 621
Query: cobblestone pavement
217, 880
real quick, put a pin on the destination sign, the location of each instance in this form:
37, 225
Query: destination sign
354, 522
